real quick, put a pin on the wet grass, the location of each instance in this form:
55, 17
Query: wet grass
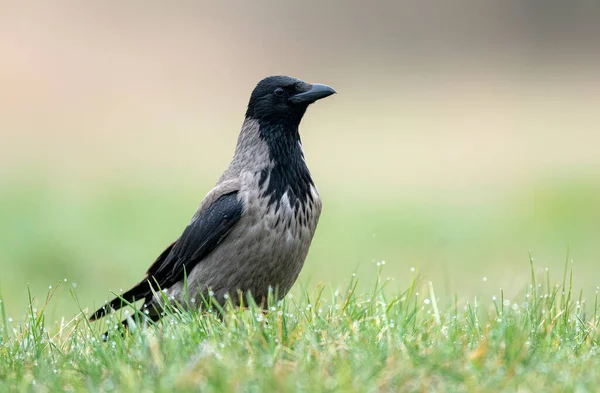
423, 312
328, 339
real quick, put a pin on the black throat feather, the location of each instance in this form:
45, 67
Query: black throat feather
289, 173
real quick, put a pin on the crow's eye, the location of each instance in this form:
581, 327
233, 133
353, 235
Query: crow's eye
279, 91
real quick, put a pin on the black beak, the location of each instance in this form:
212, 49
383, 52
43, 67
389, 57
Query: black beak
315, 92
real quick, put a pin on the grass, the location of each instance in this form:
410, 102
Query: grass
101, 238
324, 340
440, 323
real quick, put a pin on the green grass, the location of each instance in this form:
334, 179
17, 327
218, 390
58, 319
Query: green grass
324, 340
102, 237
536, 334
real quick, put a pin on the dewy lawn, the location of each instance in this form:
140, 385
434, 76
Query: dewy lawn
325, 340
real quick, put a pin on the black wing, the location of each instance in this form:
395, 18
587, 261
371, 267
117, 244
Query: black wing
198, 239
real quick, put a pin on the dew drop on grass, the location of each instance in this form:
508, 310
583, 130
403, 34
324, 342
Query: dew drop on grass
412, 269
484, 279
426, 301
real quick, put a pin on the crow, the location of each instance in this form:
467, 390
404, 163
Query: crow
252, 231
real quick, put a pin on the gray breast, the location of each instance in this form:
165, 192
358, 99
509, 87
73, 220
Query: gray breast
266, 248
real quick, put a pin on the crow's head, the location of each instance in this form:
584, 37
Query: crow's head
282, 99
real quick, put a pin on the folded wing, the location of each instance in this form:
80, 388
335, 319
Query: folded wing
205, 232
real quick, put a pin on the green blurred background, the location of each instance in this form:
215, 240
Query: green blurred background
464, 135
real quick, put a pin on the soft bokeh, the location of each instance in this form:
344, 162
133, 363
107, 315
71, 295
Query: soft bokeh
464, 135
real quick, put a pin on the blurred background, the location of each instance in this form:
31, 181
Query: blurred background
465, 135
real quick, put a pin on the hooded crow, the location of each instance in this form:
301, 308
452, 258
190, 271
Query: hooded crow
253, 230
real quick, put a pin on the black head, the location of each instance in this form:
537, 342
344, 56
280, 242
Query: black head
282, 99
